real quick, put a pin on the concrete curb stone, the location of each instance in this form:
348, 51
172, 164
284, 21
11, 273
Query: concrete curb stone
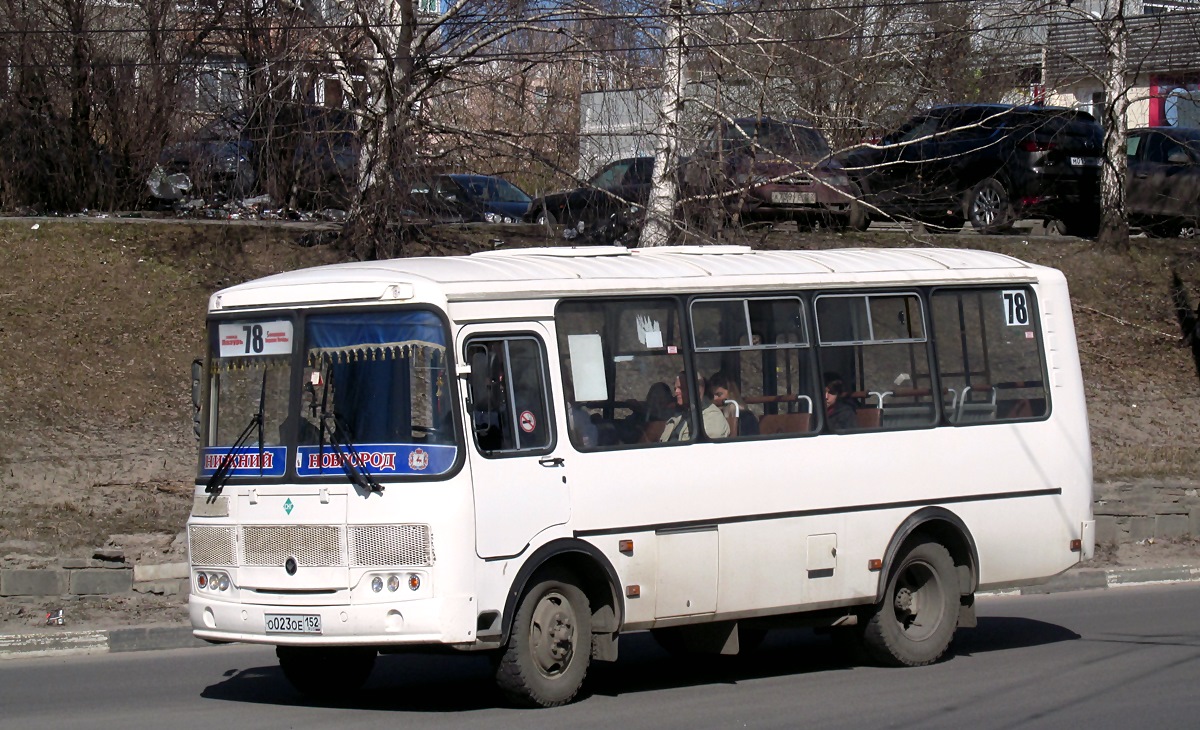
178, 636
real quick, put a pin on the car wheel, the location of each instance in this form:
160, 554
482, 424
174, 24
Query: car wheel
858, 219
989, 207
545, 218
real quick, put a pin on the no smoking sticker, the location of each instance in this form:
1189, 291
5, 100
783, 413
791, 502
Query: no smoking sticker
527, 421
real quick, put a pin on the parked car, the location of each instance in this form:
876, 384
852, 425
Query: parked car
441, 199
600, 207
500, 200
1163, 193
989, 164
309, 152
762, 168
216, 161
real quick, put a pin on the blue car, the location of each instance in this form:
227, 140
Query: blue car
500, 200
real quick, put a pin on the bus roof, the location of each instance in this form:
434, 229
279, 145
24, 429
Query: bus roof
531, 273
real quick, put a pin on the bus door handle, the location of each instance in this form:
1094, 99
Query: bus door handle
551, 461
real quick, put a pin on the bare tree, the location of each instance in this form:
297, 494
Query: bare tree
91, 90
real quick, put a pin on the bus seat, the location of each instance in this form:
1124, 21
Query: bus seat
914, 416
868, 417
653, 432
976, 412
775, 423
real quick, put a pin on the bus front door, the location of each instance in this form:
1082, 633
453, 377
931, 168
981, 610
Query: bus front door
519, 483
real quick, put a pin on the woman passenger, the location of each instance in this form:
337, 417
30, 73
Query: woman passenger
678, 428
840, 414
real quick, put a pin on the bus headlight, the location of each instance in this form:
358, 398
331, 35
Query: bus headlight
393, 583
201, 580
377, 584
414, 581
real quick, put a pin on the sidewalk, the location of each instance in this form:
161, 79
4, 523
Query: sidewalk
51, 642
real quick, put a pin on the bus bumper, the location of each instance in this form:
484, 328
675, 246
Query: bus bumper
449, 620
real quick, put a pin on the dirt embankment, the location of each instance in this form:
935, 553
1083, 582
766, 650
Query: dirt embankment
100, 320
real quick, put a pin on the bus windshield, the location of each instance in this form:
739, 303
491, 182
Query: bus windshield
372, 397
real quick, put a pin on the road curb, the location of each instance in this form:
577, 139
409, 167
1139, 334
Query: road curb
174, 636
99, 641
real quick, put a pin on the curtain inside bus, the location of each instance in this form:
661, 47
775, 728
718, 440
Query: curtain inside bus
369, 359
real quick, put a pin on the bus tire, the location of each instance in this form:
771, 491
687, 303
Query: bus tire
326, 672
550, 645
915, 622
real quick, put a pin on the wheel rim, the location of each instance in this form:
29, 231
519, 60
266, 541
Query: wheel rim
552, 634
918, 601
986, 208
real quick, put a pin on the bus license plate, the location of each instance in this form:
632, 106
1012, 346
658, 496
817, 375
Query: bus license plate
794, 198
293, 623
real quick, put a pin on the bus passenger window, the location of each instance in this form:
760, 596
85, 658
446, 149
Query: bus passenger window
989, 355
876, 345
619, 363
756, 353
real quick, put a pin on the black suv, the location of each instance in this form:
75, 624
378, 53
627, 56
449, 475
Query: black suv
617, 192
989, 164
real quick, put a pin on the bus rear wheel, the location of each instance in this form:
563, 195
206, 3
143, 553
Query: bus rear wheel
916, 621
550, 646
326, 672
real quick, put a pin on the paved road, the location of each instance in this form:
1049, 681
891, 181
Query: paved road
1123, 658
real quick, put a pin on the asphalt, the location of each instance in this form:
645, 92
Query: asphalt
50, 642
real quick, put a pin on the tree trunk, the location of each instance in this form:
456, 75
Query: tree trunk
660, 209
1114, 222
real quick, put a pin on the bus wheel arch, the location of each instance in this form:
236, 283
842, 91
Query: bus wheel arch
596, 578
944, 527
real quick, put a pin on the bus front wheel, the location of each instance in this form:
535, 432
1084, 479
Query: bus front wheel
326, 672
550, 646
916, 621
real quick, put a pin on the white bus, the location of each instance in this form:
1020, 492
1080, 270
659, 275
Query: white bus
519, 452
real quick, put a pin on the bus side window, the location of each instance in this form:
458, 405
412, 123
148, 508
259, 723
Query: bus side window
876, 346
509, 404
619, 362
989, 355
755, 353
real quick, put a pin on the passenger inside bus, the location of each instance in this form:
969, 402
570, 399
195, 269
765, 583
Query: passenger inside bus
728, 397
839, 407
651, 417
678, 427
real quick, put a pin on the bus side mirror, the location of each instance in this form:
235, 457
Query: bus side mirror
197, 374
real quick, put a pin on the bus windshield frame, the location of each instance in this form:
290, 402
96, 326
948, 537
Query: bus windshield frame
364, 395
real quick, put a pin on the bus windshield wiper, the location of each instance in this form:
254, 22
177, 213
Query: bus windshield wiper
347, 454
217, 481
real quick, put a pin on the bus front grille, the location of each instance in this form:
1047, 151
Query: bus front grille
311, 545
213, 545
390, 545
